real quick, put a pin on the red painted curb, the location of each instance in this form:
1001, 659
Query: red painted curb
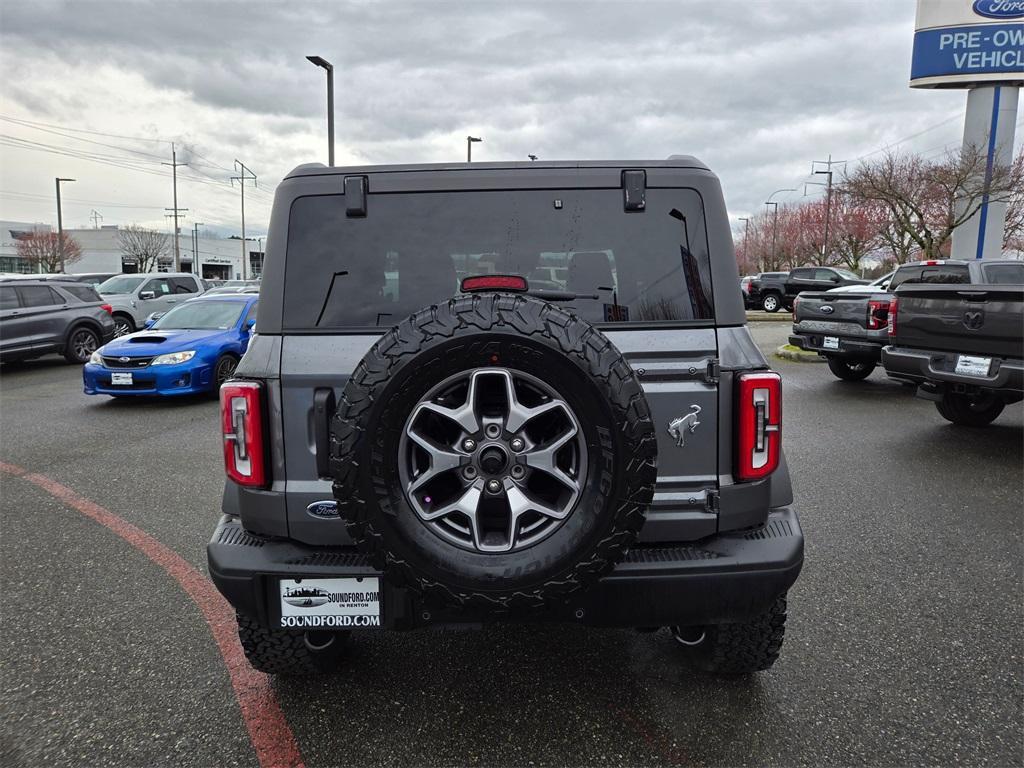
271, 736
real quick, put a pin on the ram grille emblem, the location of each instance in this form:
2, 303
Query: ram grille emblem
688, 423
974, 319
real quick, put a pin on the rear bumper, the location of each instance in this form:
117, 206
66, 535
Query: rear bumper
720, 579
853, 348
938, 367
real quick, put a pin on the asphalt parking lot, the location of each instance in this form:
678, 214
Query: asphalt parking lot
904, 646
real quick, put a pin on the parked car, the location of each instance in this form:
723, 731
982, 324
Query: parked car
745, 290
234, 289
764, 283
135, 296
775, 293
39, 317
451, 452
963, 345
195, 347
848, 326
879, 284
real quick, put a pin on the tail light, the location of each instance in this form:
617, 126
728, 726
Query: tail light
108, 308
746, 287
241, 415
796, 300
758, 424
878, 314
494, 283
893, 304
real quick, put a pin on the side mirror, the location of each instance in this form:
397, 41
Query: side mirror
884, 286
146, 295
150, 322
250, 325
834, 279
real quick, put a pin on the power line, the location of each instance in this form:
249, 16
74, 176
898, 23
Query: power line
35, 123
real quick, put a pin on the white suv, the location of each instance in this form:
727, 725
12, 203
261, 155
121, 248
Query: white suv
134, 297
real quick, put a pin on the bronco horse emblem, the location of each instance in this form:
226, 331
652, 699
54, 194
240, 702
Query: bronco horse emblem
688, 423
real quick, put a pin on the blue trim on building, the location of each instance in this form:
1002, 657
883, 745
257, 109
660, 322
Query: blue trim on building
989, 162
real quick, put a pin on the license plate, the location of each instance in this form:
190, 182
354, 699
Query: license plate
830, 342
330, 603
968, 365
121, 379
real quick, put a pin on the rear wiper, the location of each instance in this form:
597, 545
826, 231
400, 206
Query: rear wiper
560, 295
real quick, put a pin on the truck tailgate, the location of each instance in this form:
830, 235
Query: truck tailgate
835, 312
980, 319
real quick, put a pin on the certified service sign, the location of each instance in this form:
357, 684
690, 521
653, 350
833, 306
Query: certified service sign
959, 43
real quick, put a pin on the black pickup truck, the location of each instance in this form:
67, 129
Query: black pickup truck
963, 345
772, 291
849, 328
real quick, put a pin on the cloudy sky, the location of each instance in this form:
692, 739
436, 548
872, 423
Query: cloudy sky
756, 89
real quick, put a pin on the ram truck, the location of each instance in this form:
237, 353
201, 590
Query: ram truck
962, 345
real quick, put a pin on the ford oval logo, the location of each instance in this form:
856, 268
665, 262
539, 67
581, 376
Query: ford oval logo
323, 510
828, 309
999, 9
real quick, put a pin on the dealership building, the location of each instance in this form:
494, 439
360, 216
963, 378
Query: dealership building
210, 257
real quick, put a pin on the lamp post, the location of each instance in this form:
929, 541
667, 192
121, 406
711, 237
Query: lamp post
326, 65
775, 223
60, 226
195, 246
746, 233
470, 141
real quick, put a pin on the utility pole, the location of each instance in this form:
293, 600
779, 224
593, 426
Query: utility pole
174, 174
96, 217
195, 245
60, 228
243, 174
470, 141
828, 195
746, 235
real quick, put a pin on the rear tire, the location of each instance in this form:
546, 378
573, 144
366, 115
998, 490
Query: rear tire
82, 342
968, 411
285, 652
847, 370
737, 649
771, 302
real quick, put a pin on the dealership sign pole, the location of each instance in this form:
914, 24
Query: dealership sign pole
978, 45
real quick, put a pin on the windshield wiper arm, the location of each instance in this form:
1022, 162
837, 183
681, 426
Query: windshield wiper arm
560, 295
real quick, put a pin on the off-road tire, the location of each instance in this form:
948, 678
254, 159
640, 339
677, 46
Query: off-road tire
469, 331
286, 652
742, 648
846, 370
771, 302
969, 411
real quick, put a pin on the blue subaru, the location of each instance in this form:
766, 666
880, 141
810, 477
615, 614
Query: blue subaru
193, 348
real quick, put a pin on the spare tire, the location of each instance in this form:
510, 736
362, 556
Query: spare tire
493, 452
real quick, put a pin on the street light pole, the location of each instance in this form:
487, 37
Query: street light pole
470, 141
195, 246
326, 65
60, 226
775, 224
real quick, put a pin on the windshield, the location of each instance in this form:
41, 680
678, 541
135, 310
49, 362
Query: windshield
120, 284
846, 273
202, 316
415, 248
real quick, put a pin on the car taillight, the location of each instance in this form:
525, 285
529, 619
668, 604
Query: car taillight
494, 283
746, 288
893, 303
241, 415
878, 314
109, 309
796, 300
758, 424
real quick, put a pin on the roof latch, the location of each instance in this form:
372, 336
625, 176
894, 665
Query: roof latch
355, 196
634, 190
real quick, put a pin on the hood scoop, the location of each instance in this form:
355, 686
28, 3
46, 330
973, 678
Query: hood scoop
147, 339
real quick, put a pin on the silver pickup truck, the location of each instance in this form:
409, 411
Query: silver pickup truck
849, 327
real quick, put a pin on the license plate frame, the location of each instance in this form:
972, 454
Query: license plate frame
121, 379
973, 365
335, 603
830, 342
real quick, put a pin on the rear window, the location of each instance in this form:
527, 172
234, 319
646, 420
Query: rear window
1003, 274
411, 251
946, 273
81, 292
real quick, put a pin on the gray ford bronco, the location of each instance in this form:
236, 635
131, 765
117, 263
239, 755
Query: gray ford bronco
504, 392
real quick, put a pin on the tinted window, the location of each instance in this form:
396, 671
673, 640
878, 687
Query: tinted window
159, 286
412, 250
904, 275
845, 273
1003, 274
802, 274
945, 273
120, 284
38, 296
8, 298
252, 313
81, 292
202, 315
825, 274
183, 285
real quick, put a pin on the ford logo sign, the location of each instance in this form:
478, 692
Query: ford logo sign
999, 9
828, 309
323, 510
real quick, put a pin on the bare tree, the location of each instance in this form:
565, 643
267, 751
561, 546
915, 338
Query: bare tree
1013, 234
146, 246
43, 252
928, 199
856, 232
